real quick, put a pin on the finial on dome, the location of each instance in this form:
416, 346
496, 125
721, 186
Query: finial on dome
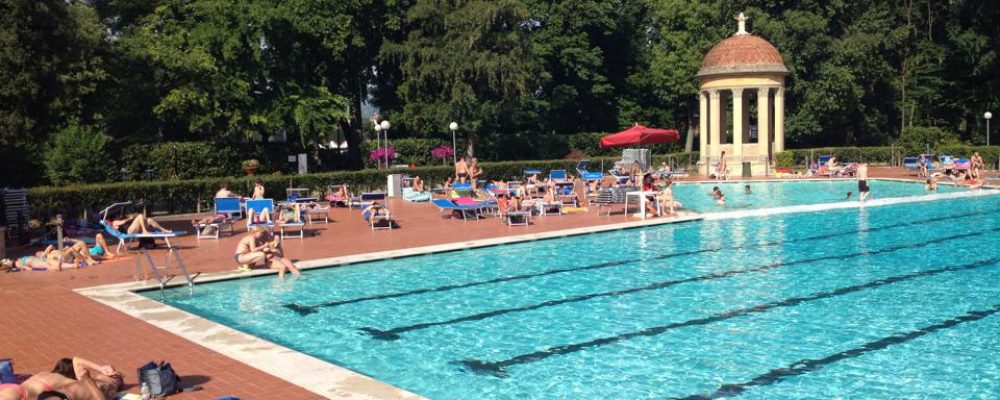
742, 25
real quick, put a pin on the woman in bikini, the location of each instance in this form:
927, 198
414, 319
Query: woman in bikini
271, 245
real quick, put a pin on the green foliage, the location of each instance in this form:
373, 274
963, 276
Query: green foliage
785, 159
417, 151
918, 139
465, 61
180, 160
78, 154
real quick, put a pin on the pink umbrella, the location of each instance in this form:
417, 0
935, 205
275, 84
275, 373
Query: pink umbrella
640, 135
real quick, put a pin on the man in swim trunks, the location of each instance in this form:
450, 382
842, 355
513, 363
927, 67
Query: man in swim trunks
863, 189
461, 170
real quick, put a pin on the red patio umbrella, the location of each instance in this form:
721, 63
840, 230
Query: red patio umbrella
640, 135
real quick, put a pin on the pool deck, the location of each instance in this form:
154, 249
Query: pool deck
46, 317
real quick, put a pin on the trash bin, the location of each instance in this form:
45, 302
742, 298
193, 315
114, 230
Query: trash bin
395, 185
746, 169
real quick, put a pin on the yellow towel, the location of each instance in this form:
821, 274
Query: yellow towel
574, 209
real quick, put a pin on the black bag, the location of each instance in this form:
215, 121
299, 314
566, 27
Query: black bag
161, 379
147, 243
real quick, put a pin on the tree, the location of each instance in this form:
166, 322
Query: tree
468, 61
78, 154
49, 69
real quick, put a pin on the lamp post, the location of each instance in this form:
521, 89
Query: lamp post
988, 117
454, 145
378, 145
385, 131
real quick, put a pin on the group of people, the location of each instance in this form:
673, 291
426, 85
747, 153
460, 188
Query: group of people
73, 254
467, 172
70, 379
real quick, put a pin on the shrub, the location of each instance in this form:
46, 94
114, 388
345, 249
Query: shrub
78, 154
181, 160
785, 159
918, 139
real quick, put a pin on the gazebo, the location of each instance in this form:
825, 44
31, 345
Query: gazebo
738, 68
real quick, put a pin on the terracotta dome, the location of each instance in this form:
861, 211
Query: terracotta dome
742, 53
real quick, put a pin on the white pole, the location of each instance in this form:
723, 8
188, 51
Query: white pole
454, 152
987, 132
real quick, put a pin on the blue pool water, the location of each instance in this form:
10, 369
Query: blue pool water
695, 196
884, 302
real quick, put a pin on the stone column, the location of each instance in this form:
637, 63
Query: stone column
703, 129
714, 126
763, 123
737, 127
779, 120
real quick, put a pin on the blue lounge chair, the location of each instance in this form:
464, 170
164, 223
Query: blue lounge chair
445, 205
558, 175
588, 176
223, 206
911, 163
126, 239
259, 205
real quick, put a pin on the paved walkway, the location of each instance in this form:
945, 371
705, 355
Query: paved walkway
43, 319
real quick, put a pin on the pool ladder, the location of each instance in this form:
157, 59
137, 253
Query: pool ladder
172, 254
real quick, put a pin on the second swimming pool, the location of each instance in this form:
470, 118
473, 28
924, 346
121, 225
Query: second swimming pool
884, 302
766, 194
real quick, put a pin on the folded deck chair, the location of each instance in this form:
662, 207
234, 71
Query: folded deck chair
382, 220
448, 206
126, 239
223, 206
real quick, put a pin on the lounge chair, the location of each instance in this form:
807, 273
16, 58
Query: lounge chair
259, 205
223, 206
126, 239
472, 210
582, 169
365, 199
381, 220
963, 164
911, 163
459, 190
558, 175
946, 161
410, 195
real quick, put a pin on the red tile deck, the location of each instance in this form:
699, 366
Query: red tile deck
43, 319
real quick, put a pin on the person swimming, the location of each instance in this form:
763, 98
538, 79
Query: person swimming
720, 198
850, 195
746, 190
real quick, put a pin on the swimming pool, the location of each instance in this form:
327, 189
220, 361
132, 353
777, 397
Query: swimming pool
766, 194
882, 302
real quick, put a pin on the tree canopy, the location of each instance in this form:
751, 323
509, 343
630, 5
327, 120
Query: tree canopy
515, 74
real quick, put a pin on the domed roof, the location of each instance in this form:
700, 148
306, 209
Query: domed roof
742, 53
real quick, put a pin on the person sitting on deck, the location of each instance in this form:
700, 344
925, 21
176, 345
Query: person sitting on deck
261, 247
647, 186
666, 198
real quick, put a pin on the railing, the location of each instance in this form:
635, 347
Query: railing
160, 279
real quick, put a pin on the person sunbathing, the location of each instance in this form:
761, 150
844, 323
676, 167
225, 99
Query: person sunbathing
75, 379
34, 263
136, 223
291, 213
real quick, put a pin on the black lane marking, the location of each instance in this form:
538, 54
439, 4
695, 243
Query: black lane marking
393, 334
309, 309
499, 368
813, 364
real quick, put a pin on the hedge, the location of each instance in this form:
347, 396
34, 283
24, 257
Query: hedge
175, 196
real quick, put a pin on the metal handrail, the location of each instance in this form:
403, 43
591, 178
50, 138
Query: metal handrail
161, 280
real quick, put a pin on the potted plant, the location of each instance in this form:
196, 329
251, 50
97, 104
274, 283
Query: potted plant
251, 166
